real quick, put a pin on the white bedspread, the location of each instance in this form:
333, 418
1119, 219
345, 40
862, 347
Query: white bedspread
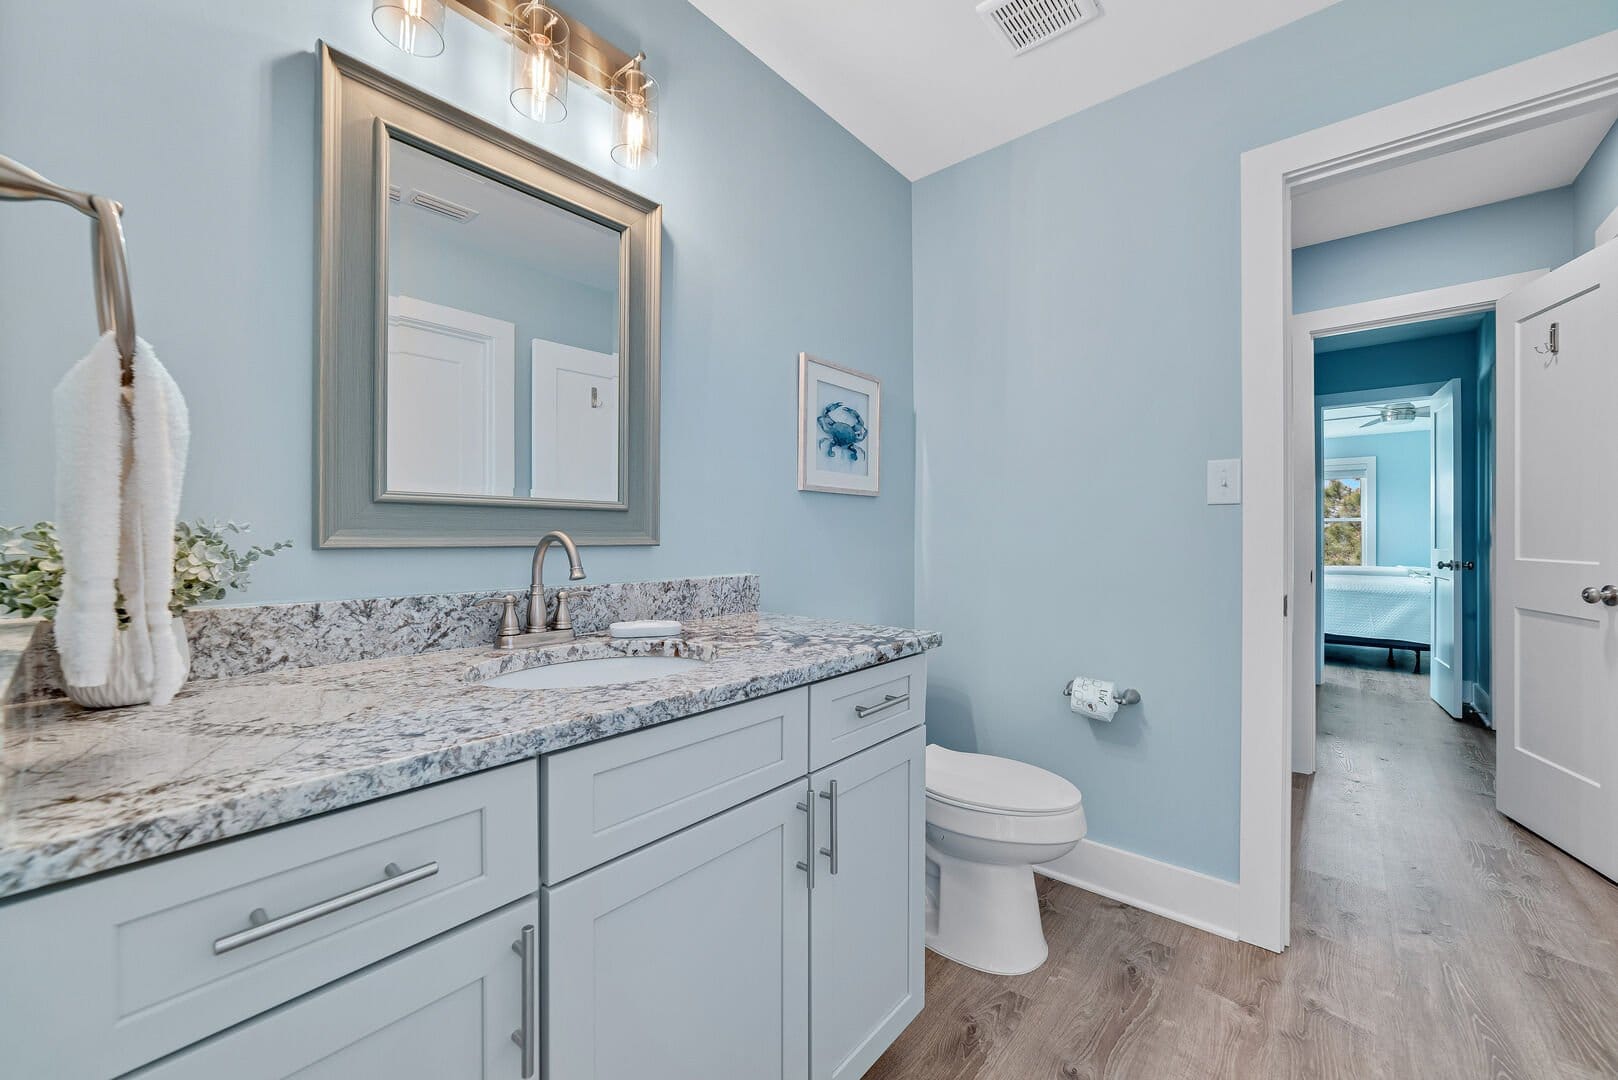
1378, 602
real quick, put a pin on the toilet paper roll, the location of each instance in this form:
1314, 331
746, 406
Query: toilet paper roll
1093, 698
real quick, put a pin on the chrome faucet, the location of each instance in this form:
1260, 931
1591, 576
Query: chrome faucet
540, 631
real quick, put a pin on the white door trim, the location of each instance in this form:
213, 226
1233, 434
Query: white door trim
1464, 299
1537, 91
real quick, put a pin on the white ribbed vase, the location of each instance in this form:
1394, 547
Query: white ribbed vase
125, 685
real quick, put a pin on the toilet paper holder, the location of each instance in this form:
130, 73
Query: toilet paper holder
1129, 696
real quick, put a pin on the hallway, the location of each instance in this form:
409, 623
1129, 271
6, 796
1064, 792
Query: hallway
1431, 938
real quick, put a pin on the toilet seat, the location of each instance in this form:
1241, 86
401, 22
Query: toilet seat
996, 785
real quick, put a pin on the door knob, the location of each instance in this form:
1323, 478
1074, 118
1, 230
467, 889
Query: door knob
1607, 594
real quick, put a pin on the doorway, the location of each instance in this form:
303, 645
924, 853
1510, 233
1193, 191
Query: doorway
1558, 87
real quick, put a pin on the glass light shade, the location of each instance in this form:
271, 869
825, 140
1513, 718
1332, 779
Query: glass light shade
539, 59
634, 132
413, 26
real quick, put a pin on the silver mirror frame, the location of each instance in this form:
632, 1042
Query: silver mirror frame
362, 108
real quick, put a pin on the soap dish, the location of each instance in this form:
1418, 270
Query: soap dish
645, 628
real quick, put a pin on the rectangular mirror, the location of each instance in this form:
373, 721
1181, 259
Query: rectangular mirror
505, 382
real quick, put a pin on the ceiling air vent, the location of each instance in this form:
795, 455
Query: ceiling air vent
1028, 24
440, 205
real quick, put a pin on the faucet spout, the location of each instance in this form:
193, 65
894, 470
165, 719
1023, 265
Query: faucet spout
536, 590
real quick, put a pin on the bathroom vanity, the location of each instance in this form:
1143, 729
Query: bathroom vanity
392, 868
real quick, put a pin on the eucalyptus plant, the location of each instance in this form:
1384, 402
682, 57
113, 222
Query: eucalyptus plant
206, 565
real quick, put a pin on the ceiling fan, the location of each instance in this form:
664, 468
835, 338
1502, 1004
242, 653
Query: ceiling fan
1399, 412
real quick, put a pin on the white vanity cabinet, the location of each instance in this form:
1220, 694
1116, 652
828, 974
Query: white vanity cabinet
689, 959
112, 973
445, 1010
735, 895
866, 907
780, 939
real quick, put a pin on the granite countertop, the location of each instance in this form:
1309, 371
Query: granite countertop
83, 791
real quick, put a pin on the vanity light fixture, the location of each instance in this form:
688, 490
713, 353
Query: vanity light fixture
539, 62
547, 49
412, 26
634, 143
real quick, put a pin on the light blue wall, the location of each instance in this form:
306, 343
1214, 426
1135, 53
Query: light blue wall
1403, 491
1534, 232
1595, 192
782, 233
1077, 340
1431, 361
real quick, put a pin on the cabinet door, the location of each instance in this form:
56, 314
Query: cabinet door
447, 1008
688, 959
866, 918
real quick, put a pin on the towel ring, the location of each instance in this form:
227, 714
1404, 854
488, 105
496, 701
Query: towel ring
115, 307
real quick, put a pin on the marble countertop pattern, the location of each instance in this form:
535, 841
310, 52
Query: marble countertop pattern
85, 791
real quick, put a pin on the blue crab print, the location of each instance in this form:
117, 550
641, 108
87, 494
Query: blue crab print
842, 431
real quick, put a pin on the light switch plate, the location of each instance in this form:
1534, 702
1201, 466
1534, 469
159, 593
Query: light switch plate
1225, 481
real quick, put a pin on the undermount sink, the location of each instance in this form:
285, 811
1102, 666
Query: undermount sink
601, 671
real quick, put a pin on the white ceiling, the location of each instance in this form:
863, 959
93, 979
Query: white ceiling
1539, 159
927, 83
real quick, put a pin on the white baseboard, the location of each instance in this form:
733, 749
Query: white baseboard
1479, 698
1186, 896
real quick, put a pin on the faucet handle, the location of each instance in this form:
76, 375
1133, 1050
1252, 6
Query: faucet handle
508, 616
564, 621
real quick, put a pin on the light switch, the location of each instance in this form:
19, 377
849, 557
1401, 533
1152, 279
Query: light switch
1225, 481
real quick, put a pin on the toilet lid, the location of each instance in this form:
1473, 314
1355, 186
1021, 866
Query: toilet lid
983, 782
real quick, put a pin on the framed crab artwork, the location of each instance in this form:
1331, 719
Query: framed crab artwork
839, 428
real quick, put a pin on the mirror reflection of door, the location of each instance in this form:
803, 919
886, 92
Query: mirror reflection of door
477, 266
575, 423
450, 400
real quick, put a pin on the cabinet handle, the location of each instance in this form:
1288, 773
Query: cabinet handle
808, 865
524, 1036
888, 701
264, 926
830, 796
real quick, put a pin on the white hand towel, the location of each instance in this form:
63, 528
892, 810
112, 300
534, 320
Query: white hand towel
90, 438
118, 494
161, 439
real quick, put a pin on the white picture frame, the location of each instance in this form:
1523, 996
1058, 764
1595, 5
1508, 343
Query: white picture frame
839, 428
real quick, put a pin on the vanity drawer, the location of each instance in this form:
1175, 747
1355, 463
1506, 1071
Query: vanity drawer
860, 709
159, 956
610, 797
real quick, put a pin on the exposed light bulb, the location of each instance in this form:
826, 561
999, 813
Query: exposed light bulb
412, 26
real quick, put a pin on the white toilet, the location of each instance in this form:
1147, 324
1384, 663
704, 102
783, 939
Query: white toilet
990, 820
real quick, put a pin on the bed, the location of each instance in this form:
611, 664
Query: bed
1385, 607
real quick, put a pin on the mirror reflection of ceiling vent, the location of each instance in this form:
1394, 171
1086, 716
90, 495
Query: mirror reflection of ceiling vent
1028, 24
440, 205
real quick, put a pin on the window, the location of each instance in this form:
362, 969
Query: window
1348, 512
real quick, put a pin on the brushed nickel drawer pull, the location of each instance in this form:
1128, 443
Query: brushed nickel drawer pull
264, 926
527, 947
831, 852
808, 865
888, 702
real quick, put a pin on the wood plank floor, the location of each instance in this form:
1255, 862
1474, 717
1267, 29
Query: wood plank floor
1431, 938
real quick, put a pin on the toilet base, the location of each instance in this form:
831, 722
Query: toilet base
984, 915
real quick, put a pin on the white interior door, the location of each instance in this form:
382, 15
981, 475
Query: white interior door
576, 429
451, 395
1446, 559
1555, 635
